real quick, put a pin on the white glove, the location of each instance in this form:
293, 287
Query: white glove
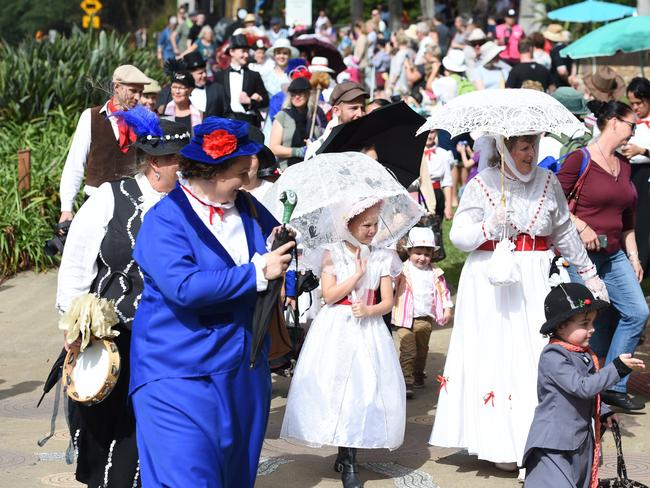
496, 224
597, 287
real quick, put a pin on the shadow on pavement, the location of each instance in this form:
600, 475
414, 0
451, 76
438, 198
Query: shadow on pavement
19, 388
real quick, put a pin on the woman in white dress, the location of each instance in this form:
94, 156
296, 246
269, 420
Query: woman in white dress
488, 388
348, 389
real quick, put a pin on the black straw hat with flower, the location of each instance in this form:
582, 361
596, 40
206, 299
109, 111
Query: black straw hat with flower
566, 300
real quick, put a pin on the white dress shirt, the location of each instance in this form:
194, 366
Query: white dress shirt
422, 281
439, 162
79, 262
75, 164
228, 230
199, 98
236, 82
641, 138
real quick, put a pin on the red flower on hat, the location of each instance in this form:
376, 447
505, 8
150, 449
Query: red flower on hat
219, 143
587, 302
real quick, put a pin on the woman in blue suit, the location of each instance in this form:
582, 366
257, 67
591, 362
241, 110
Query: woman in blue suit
201, 411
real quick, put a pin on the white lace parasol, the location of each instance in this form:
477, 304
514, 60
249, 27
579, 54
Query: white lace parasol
331, 188
506, 112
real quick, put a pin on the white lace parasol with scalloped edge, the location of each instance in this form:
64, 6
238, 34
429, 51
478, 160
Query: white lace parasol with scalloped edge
505, 111
331, 188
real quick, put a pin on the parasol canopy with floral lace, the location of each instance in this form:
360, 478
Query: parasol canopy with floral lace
504, 111
329, 187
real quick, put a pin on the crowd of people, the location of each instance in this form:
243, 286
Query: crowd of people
174, 171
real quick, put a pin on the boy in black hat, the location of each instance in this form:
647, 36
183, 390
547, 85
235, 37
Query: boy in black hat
245, 91
562, 449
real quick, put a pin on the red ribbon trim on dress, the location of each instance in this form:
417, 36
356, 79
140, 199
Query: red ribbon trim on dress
443, 383
488, 397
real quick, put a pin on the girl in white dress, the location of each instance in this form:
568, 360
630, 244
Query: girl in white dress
348, 389
488, 388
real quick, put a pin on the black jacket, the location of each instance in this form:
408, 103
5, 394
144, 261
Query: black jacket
252, 84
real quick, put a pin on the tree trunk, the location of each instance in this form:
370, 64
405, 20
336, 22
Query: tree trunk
643, 7
395, 8
531, 14
356, 10
428, 8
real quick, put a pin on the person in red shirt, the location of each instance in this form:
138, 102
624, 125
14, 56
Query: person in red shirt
509, 34
604, 215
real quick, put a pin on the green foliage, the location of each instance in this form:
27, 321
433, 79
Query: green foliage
453, 263
27, 218
71, 73
42, 93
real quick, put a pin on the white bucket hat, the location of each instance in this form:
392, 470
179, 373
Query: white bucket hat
282, 44
320, 64
455, 61
489, 51
476, 35
421, 237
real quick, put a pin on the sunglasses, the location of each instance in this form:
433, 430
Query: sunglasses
632, 125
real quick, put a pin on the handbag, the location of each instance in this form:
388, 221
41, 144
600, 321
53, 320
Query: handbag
621, 481
503, 269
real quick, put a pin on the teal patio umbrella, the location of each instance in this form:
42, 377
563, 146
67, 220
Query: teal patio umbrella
627, 35
591, 11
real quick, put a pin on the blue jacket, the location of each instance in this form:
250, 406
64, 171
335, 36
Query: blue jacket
194, 318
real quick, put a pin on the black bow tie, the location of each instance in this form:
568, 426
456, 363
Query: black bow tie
233, 70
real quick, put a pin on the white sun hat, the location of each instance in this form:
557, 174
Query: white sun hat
455, 61
420, 237
282, 44
320, 64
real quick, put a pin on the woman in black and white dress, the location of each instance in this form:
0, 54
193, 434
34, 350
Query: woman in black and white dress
99, 243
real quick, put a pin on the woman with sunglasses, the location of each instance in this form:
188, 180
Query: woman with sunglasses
604, 215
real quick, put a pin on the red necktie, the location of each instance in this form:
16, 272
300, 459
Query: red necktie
126, 134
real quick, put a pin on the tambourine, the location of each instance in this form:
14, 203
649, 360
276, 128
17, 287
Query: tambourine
90, 375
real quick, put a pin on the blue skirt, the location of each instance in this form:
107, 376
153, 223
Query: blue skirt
204, 431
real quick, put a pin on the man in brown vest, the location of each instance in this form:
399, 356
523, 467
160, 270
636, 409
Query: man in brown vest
102, 145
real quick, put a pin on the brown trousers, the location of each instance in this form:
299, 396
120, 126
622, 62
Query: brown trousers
414, 347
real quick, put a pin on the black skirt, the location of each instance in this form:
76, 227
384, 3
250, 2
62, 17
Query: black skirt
103, 435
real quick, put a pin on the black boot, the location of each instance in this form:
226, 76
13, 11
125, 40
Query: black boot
346, 464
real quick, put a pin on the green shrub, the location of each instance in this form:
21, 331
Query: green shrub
37, 77
43, 89
27, 218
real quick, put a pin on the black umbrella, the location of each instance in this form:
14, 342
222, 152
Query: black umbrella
268, 301
390, 130
317, 46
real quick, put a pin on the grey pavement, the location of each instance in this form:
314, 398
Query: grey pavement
31, 341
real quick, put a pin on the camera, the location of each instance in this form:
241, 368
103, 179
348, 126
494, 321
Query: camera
55, 245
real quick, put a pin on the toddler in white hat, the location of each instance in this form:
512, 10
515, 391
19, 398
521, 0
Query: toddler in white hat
422, 298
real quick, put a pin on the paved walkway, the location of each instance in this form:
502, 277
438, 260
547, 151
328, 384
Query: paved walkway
30, 341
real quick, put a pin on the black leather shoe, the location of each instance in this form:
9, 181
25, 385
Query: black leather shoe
621, 400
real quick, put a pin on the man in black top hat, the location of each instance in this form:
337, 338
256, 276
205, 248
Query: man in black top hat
209, 98
245, 92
